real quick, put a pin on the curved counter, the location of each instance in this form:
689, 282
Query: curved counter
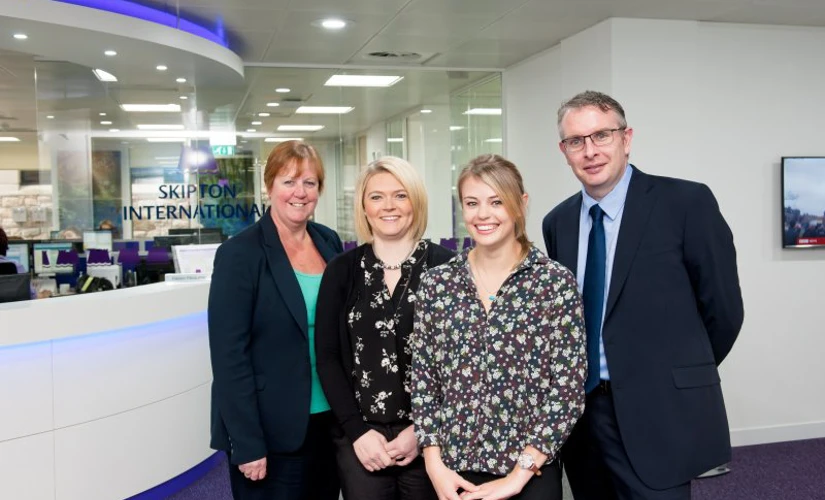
104, 395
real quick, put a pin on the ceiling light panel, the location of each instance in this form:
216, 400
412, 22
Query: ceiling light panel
151, 108
283, 139
159, 126
300, 128
104, 76
483, 111
323, 110
9, 139
363, 80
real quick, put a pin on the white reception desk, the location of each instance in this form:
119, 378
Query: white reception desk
103, 396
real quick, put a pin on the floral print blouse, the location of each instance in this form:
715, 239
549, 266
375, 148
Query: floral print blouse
486, 385
380, 326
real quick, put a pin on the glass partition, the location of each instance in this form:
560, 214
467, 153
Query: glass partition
189, 159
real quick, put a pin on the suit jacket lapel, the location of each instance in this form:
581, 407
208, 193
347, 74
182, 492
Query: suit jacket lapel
641, 198
324, 247
282, 273
567, 234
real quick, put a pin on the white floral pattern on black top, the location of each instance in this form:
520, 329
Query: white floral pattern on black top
487, 385
380, 326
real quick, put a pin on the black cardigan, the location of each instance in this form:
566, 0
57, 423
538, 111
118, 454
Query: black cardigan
333, 348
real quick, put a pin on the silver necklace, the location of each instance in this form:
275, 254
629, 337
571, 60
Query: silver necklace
477, 272
396, 267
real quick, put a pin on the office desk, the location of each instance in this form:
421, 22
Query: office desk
104, 395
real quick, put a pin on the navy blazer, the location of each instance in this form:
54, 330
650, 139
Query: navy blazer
258, 337
674, 310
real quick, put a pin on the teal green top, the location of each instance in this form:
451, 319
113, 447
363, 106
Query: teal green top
310, 283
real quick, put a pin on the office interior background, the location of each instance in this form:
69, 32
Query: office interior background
716, 90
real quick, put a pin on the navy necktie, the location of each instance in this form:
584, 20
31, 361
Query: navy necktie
593, 295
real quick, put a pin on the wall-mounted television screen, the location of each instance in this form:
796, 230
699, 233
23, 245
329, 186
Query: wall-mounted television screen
803, 202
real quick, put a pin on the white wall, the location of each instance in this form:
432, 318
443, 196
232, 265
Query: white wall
720, 104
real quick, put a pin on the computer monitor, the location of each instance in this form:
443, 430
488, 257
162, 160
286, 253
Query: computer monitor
44, 256
97, 240
19, 252
201, 234
172, 240
153, 272
195, 259
15, 287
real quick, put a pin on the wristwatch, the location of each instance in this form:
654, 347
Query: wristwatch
527, 462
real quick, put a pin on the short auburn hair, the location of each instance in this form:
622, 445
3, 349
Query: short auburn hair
289, 153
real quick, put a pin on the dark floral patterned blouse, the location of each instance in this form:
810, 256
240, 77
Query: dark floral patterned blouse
487, 385
380, 326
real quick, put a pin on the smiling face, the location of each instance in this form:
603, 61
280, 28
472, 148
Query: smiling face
485, 215
598, 168
294, 195
387, 207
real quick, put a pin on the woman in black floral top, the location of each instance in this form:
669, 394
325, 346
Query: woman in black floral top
499, 357
363, 328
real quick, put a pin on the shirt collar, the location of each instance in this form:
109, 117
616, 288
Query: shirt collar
614, 201
534, 256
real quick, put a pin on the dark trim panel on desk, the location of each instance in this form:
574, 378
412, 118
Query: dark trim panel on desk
178, 483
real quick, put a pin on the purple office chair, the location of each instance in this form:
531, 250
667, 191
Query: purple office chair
128, 258
450, 244
98, 257
349, 245
157, 255
468, 243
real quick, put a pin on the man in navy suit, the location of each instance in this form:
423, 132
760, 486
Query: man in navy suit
656, 264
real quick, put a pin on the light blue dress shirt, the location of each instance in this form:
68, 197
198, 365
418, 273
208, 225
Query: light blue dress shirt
613, 206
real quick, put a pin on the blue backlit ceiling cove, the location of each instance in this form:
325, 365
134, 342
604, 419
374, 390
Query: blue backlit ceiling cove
155, 16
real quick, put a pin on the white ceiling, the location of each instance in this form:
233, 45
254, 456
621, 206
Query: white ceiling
450, 33
461, 42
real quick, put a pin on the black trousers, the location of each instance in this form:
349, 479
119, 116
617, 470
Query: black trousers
596, 462
306, 474
544, 487
393, 483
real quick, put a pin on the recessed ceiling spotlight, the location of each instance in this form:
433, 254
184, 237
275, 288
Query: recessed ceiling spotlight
104, 76
256, 123
263, 115
282, 90
161, 67
244, 142
180, 80
494, 139
183, 98
273, 104
110, 53
362, 80
333, 24
21, 36
105, 122
102, 113
50, 117
395, 139
426, 111
251, 130
453, 128
114, 130
9, 139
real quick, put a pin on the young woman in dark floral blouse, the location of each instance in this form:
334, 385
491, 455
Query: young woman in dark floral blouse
499, 356
363, 328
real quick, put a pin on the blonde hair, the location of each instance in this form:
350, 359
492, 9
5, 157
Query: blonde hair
504, 178
288, 153
410, 181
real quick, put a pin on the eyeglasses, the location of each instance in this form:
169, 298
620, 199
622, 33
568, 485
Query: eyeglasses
599, 138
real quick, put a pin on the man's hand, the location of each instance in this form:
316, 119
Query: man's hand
404, 448
254, 471
371, 450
